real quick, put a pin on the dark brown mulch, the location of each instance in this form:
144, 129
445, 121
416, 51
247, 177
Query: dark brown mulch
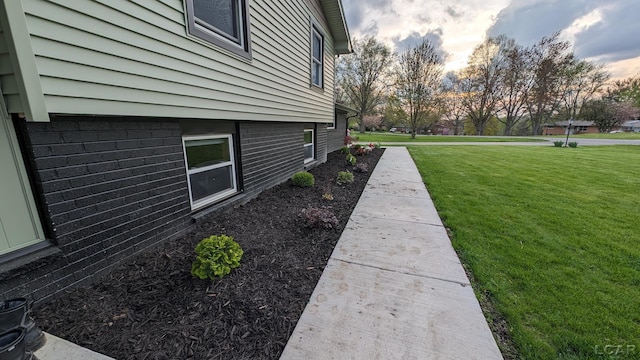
152, 307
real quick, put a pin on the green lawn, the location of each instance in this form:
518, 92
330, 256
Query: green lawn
388, 137
552, 237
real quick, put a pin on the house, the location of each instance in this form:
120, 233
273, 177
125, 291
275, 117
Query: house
577, 127
337, 131
123, 122
630, 126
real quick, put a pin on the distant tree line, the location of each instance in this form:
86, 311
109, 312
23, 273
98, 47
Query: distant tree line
504, 86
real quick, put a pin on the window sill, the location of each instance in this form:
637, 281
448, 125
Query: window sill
317, 88
311, 164
235, 199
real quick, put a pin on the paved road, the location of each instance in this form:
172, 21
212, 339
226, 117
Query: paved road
546, 142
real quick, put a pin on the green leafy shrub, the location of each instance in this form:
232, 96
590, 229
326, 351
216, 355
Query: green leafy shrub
344, 150
344, 177
216, 256
558, 143
303, 179
351, 159
320, 218
573, 144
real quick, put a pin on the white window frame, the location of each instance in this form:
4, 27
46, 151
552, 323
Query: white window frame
316, 33
210, 33
218, 196
312, 144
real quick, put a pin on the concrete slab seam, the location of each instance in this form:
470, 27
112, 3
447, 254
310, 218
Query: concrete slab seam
403, 221
463, 284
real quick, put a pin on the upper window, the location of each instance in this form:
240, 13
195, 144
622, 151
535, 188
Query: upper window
211, 173
222, 22
309, 150
317, 57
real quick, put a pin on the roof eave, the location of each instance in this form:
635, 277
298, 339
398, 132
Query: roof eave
338, 25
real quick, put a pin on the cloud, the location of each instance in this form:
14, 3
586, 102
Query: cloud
453, 12
527, 21
599, 30
415, 38
357, 11
371, 28
353, 11
615, 36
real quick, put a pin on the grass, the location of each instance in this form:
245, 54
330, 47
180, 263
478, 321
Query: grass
552, 238
388, 138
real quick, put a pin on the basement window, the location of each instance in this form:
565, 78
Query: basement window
211, 170
309, 148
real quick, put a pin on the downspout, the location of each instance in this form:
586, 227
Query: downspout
347, 121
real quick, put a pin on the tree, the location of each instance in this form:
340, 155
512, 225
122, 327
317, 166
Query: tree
514, 82
453, 110
581, 81
417, 77
480, 83
394, 114
360, 75
608, 114
626, 90
547, 61
372, 122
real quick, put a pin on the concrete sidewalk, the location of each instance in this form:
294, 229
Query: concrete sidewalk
393, 287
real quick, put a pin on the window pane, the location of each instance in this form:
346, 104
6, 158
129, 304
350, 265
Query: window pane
308, 152
222, 14
308, 137
316, 73
317, 46
207, 152
211, 182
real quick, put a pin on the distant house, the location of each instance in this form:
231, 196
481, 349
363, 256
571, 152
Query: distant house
578, 127
123, 122
630, 126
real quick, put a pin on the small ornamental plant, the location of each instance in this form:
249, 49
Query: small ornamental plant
319, 218
327, 194
351, 159
344, 177
361, 168
216, 256
303, 179
558, 143
573, 144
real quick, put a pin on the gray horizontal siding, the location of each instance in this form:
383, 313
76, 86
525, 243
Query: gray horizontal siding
93, 54
335, 137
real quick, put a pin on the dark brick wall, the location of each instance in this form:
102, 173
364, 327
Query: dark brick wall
270, 153
321, 142
110, 188
335, 137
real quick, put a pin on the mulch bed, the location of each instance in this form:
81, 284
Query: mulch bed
153, 308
